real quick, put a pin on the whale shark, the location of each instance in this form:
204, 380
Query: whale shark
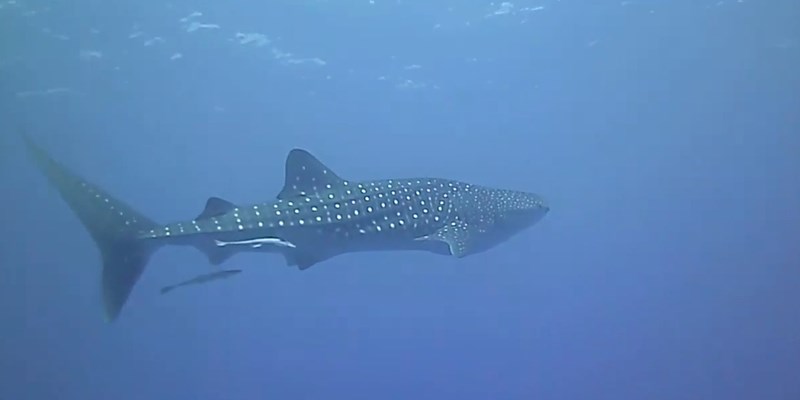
316, 215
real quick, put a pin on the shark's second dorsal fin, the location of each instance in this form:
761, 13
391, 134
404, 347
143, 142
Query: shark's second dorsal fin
216, 207
305, 174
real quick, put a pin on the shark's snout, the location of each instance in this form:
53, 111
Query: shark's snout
536, 208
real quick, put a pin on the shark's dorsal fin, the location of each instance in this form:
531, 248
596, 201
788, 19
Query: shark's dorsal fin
305, 174
216, 207
458, 235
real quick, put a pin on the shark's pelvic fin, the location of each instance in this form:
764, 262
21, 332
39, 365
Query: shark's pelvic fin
111, 223
302, 260
216, 255
305, 174
306, 257
215, 207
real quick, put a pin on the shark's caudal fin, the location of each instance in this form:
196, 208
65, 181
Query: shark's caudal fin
111, 223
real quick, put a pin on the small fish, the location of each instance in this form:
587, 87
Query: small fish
202, 279
257, 243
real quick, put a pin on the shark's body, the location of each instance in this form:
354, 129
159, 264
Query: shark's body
316, 216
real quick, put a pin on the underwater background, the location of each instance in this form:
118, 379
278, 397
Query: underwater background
664, 135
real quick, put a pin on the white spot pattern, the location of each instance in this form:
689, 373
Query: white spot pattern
404, 209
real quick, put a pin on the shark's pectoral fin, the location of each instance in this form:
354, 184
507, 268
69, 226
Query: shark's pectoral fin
305, 174
458, 235
216, 207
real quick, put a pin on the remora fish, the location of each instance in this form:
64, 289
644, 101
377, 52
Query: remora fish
213, 276
256, 243
319, 213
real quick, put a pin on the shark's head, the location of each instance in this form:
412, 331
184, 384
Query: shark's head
489, 217
518, 210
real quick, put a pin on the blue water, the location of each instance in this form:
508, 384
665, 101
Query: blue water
664, 135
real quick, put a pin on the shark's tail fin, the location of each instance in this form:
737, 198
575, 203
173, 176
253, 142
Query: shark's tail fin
112, 224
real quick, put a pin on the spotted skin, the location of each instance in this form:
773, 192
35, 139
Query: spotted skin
375, 215
316, 216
